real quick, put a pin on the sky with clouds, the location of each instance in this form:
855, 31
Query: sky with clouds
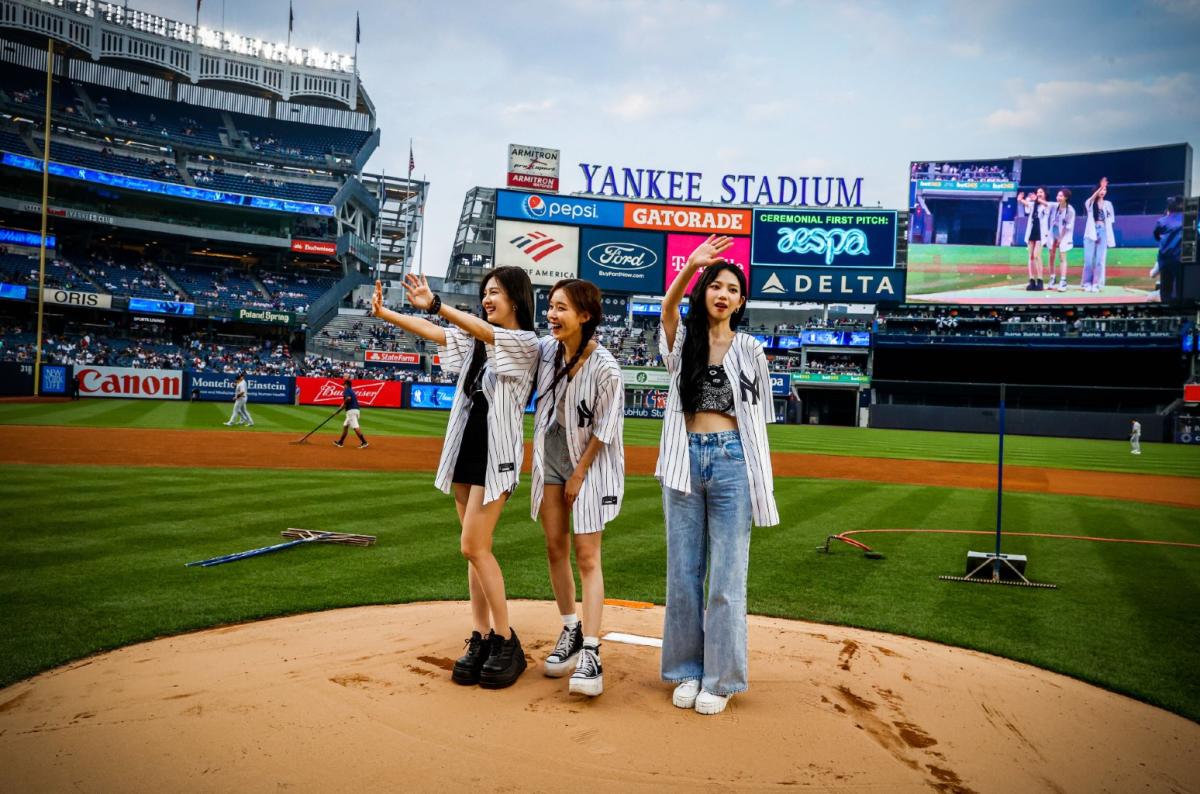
778, 87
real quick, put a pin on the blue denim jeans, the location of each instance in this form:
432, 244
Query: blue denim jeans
708, 533
1095, 255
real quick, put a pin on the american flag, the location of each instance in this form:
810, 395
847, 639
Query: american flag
411, 162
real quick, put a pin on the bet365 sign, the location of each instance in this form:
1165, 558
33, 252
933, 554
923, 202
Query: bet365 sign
818, 255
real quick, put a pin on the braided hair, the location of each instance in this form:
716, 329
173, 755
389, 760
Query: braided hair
584, 297
516, 285
695, 344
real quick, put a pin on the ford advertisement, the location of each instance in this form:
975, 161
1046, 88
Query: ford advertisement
618, 260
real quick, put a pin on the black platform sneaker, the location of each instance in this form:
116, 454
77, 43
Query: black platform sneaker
588, 678
467, 667
505, 665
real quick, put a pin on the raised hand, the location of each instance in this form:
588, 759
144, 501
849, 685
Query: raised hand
377, 299
417, 290
709, 252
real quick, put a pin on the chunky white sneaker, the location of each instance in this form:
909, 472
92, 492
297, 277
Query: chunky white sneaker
228, 424
685, 694
588, 678
1062, 286
562, 659
708, 703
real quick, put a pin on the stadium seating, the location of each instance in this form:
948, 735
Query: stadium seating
293, 139
23, 269
295, 290
137, 112
108, 160
252, 184
225, 288
136, 279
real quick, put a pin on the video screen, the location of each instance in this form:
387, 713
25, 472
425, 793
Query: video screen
1093, 228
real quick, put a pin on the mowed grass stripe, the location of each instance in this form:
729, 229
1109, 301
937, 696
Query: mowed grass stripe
1058, 453
77, 581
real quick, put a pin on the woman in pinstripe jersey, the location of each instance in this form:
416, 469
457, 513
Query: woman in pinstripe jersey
481, 458
578, 470
715, 468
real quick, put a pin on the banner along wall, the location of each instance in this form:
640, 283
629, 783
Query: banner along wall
370, 393
130, 383
259, 388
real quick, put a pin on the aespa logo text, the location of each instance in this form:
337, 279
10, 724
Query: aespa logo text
830, 242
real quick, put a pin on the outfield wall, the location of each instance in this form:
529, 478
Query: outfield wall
1018, 421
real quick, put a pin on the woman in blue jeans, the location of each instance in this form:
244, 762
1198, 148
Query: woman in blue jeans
715, 468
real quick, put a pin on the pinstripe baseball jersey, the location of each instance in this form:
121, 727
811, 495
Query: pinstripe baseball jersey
506, 380
746, 367
595, 406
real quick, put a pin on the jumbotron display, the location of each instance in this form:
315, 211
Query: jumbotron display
1076, 228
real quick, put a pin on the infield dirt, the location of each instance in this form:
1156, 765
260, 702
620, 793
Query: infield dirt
241, 449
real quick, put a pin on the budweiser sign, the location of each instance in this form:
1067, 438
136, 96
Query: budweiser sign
391, 357
129, 382
323, 247
328, 391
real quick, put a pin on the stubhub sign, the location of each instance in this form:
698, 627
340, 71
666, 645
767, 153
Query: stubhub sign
548, 208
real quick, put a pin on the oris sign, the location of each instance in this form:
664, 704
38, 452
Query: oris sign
87, 300
128, 382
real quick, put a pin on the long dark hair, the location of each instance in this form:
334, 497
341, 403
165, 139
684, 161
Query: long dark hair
584, 296
516, 285
695, 344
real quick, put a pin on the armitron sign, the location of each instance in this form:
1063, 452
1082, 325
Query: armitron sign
128, 382
533, 167
87, 300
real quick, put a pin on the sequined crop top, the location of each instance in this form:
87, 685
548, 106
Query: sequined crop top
715, 392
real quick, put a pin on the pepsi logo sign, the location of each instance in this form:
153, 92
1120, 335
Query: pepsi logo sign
535, 206
622, 256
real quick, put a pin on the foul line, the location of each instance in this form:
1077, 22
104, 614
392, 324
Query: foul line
846, 535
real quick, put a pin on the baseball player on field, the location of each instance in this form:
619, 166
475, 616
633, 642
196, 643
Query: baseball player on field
240, 415
1135, 437
350, 404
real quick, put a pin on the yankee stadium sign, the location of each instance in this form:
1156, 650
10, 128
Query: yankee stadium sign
663, 185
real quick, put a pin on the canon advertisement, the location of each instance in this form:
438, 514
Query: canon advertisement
328, 391
259, 388
130, 383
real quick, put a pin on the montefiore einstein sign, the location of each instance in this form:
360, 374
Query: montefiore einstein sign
654, 184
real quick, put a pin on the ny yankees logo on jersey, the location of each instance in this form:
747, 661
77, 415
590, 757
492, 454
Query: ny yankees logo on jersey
749, 388
586, 415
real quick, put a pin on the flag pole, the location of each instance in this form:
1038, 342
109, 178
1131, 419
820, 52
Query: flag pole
41, 297
421, 227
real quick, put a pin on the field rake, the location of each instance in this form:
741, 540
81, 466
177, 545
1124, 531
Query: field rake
298, 537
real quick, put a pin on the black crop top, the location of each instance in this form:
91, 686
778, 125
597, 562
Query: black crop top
715, 392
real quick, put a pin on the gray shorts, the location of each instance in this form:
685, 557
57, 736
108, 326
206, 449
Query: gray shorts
556, 462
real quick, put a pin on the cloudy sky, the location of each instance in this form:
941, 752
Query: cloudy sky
753, 87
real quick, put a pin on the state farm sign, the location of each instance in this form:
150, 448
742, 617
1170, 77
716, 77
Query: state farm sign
391, 357
322, 247
128, 382
328, 391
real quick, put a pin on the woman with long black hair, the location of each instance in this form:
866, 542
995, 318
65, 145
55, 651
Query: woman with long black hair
578, 470
481, 457
715, 468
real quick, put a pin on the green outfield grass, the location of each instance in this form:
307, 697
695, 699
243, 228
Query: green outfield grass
945, 268
1062, 453
93, 559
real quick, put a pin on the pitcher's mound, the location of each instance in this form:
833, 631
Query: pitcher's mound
360, 700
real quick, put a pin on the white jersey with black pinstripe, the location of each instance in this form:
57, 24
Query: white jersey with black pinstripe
746, 367
506, 381
595, 406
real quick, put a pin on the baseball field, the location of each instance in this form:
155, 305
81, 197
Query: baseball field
324, 667
998, 274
